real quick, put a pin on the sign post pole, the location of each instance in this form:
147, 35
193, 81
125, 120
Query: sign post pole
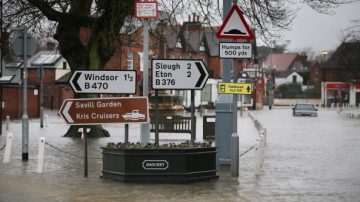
85, 152
234, 153
146, 10
25, 118
145, 128
193, 127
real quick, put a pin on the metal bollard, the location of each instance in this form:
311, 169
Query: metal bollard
234, 155
265, 137
262, 146
257, 157
8, 148
263, 134
41, 155
7, 123
80, 130
46, 117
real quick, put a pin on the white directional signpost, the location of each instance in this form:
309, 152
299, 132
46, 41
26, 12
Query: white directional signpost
179, 74
88, 81
97, 111
90, 111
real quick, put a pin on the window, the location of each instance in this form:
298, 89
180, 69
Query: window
178, 43
294, 77
206, 93
130, 60
141, 54
202, 47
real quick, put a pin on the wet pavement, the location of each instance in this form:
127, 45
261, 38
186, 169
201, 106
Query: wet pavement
306, 159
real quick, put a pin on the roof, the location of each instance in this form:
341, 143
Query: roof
171, 34
212, 43
64, 79
193, 40
279, 61
347, 55
286, 74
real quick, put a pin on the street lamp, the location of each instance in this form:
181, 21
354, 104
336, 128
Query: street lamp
24, 45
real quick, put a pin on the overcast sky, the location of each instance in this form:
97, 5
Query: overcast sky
319, 31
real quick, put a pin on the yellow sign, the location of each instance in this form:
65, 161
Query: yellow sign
234, 88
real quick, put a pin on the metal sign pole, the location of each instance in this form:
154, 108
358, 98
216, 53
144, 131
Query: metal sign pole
156, 117
41, 97
234, 135
25, 117
85, 152
145, 128
193, 127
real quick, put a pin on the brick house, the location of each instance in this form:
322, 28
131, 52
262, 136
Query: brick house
12, 93
53, 66
341, 75
279, 64
191, 40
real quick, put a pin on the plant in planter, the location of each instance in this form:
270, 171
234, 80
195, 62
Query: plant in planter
174, 163
138, 145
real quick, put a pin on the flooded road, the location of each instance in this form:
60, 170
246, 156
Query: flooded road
306, 159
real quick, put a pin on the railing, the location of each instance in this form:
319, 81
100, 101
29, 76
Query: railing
172, 124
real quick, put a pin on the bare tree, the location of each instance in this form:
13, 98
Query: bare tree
87, 30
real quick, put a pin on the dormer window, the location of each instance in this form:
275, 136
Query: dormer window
202, 46
178, 43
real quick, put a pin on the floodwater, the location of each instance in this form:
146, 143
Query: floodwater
306, 159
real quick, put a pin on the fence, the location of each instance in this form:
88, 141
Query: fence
261, 142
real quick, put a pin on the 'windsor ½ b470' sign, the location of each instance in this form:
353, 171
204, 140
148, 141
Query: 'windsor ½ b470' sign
108, 81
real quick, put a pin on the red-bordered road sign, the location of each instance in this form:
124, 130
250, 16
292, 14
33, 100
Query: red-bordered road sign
90, 111
146, 9
235, 26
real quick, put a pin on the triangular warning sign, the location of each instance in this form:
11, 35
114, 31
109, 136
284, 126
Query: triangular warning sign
235, 26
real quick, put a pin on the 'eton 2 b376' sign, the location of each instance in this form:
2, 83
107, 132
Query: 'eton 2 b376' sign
179, 74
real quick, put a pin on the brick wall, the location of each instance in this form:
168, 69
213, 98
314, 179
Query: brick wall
13, 102
50, 89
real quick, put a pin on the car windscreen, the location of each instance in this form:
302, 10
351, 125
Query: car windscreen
305, 107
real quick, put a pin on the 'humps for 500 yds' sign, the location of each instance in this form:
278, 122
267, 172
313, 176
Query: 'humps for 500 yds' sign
235, 50
179, 74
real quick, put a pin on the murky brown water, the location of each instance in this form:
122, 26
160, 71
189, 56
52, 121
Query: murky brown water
307, 159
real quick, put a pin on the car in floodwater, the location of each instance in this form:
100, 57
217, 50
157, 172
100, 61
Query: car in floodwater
304, 110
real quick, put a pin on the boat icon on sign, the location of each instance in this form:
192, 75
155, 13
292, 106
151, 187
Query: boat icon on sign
134, 115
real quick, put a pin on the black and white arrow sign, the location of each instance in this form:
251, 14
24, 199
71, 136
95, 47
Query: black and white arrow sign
88, 81
179, 74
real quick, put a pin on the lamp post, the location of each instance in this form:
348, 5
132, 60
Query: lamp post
24, 45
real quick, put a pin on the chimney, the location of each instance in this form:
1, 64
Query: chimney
194, 15
189, 18
198, 18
